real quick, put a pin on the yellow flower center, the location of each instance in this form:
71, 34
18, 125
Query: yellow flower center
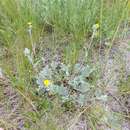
46, 82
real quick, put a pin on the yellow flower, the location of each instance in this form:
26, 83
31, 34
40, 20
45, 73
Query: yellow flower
46, 82
97, 26
29, 23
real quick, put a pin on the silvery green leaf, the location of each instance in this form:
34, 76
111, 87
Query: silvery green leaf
40, 83
54, 65
83, 87
103, 98
83, 70
59, 90
79, 84
77, 68
76, 81
65, 69
86, 71
46, 73
98, 93
65, 98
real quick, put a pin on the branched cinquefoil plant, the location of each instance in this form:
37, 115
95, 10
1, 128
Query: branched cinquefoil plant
71, 85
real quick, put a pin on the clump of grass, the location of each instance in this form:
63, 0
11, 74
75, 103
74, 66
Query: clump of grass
124, 87
99, 116
72, 17
14, 18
